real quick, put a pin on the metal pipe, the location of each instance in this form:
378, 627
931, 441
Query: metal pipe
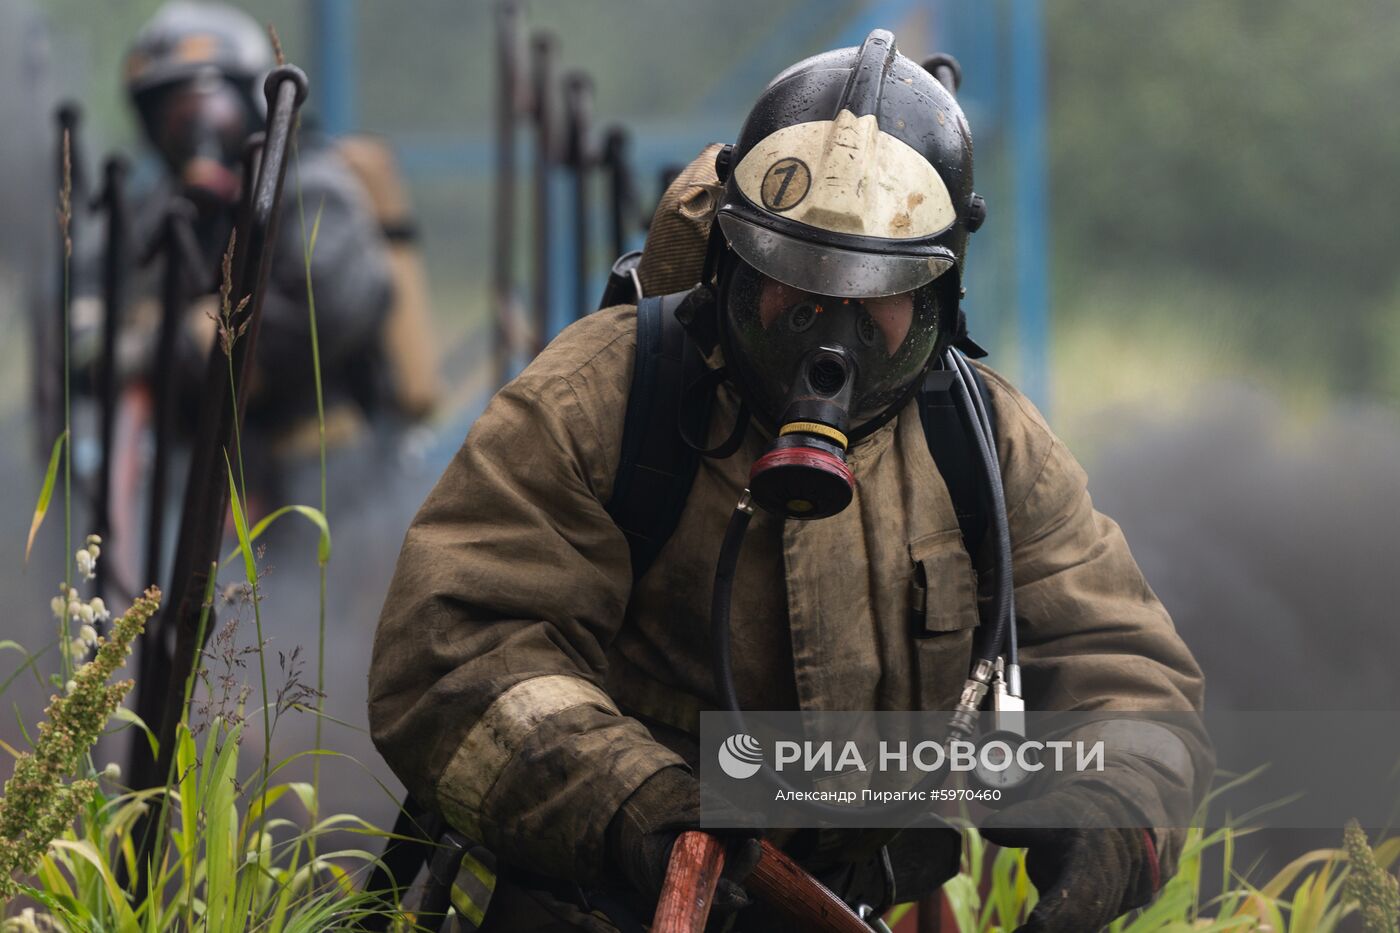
578, 104
946, 70
621, 196
1028, 148
175, 247
507, 109
206, 498
333, 38
115, 261
542, 51
181, 266
183, 275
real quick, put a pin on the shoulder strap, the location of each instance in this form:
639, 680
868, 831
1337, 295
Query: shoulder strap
950, 441
656, 468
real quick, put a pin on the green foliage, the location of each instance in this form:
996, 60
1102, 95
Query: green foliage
1240, 145
41, 506
1312, 894
226, 864
38, 802
220, 871
313, 515
1375, 892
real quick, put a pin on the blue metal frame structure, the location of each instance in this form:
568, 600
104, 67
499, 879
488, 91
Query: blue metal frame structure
1001, 46
1027, 145
333, 55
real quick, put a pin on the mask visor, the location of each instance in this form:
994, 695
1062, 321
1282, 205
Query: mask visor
830, 270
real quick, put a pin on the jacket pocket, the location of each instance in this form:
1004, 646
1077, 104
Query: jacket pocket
942, 618
943, 594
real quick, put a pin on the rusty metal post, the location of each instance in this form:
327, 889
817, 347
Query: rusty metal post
508, 107
115, 262
181, 266
622, 195
206, 492
578, 107
542, 51
175, 248
206, 498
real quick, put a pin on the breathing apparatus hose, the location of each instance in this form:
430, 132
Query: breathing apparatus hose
719, 604
1004, 631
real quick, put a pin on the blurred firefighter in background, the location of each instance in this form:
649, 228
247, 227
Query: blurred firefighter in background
194, 74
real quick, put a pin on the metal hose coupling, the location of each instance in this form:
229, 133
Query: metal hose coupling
974, 691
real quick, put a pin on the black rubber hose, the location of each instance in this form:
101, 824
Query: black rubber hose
992, 464
719, 604
1004, 604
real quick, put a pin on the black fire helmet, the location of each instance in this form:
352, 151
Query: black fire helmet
851, 179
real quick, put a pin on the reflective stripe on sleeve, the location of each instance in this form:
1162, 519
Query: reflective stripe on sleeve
472, 890
498, 735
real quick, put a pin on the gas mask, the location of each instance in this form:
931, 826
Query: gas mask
198, 126
822, 372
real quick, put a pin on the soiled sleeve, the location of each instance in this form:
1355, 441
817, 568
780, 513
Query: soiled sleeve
486, 683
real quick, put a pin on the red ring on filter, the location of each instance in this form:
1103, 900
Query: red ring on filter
801, 482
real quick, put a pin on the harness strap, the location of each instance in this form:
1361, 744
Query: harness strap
950, 441
656, 468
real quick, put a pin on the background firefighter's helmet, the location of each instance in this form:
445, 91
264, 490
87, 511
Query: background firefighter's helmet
194, 74
187, 39
852, 179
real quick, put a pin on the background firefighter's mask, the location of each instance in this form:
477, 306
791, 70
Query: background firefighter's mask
199, 126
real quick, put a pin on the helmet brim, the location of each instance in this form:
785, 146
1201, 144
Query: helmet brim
167, 74
824, 269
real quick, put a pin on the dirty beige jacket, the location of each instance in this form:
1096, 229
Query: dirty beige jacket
515, 662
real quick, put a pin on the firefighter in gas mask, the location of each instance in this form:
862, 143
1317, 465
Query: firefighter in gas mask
544, 653
194, 74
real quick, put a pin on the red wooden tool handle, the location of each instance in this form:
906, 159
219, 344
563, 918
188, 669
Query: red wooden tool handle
688, 892
785, 886
696, 863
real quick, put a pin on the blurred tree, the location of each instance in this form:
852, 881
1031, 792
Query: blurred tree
1252, 143
1242, 151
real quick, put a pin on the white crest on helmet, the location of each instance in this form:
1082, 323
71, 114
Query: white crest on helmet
847, 176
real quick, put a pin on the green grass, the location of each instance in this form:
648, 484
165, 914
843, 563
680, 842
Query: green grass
1306, 896
227, 865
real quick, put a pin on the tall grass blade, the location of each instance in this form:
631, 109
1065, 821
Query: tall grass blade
310, 250
125, 918
313, 515
240, 526
41, 508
